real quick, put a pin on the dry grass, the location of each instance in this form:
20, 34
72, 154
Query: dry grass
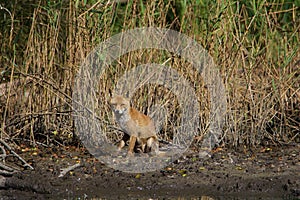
256, 48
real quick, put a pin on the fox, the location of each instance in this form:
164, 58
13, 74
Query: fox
139, 127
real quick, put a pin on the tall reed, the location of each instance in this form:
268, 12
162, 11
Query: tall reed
255, 45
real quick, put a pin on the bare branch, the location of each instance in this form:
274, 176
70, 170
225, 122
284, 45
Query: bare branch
64, 171
15, 154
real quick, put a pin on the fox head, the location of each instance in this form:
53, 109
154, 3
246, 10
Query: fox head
119, 104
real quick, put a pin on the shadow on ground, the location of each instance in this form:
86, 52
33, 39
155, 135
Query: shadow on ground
266, 173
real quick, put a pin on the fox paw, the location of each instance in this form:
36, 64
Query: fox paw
130, 154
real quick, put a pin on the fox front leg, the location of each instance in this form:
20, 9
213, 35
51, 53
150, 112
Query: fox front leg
132, 141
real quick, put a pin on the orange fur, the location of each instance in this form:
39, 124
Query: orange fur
138, 126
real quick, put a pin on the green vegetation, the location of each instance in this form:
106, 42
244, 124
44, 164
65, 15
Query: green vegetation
255, 44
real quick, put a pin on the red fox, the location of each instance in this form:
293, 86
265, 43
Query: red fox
138, 126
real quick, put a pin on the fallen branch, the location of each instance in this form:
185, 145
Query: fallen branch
15, 154
7, 168
3, 155
64, 171
2, 181
6, 173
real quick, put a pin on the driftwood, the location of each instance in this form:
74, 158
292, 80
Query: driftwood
64, 171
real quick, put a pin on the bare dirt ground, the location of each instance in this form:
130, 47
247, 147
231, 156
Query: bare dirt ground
265, 173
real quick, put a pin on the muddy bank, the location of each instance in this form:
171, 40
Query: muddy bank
266, 173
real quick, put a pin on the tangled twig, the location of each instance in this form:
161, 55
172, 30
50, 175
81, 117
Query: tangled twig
25, 164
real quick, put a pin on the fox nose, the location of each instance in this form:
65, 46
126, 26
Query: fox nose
119, 111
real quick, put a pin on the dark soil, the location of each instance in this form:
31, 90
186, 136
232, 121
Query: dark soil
265, 173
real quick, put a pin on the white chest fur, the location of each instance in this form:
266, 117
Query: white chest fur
122, 120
